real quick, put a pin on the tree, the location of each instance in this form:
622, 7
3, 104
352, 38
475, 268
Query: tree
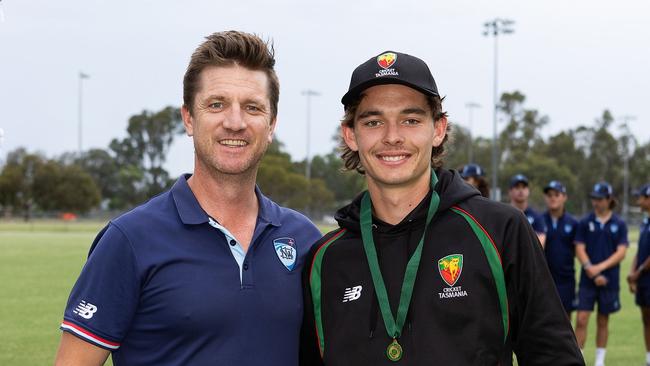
103, 169
60, 187
523, 130
17, 181
30, 181
149, 137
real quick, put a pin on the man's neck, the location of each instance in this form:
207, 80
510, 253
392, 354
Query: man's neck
393, 204
228, 198
556, 213
604, 216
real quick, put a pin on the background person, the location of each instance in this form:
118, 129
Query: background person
519, 192
639, 277
601, 242
207, 273
560, 248
475, 175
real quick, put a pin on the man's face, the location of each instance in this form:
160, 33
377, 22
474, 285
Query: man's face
472, 181
394, 133
231, 120
519, 193
554, 200
600, 205
643, 202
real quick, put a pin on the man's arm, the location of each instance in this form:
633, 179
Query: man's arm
74, 351
542, 239
612, 260
585, 262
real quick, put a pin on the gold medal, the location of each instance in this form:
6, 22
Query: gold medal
394, 351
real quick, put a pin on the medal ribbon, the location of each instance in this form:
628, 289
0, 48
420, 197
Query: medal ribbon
393, 327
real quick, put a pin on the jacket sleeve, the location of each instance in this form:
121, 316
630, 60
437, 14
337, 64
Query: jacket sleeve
309, 351
540, 330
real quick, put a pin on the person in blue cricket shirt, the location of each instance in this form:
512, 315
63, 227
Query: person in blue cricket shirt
519, 192
475, 176
639, 277
208, 272
560, 249
601, 242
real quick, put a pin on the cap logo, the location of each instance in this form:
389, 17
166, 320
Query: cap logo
386, 60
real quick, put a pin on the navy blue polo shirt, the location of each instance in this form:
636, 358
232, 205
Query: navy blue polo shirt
535, 220
560, 247
601, 241
644, 250
161, 287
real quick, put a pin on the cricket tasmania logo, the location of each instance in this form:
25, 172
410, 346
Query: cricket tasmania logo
450, 268
386, 60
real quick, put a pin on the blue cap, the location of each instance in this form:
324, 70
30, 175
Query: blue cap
644, 190
472, 170
518, 178
602, 190
555, 185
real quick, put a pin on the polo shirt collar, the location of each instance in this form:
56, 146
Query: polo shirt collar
188, 207
191, 212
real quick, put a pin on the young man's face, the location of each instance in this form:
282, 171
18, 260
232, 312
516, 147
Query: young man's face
554, 200
600, 205
472, 181
519, 193
643, 202
394, 134
231, 120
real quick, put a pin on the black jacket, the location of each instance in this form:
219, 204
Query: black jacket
457, 322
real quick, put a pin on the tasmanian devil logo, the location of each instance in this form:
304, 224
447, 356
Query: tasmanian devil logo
285, 248
386, 60
450, 268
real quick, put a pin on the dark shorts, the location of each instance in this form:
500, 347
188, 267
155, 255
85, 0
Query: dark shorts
607, 298
642, 296
567, 292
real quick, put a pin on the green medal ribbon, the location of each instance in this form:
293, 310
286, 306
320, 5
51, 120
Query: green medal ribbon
394, 327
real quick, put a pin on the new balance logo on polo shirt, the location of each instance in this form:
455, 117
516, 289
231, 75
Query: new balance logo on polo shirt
352, 293
85, 310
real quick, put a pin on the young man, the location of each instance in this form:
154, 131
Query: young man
423, 270
207, 273
639, 279
519, 192
560, 249
601, 242
475, 175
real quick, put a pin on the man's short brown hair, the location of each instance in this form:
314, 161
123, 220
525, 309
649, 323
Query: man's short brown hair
228, 49
351, 160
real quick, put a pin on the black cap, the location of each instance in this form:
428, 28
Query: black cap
391, 68
518, 178
555, 185
601, 190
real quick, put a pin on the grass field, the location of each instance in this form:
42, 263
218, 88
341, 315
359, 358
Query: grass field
39, 263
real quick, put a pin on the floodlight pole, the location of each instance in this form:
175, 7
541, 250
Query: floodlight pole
470, 107
627, 138
308, 93
82, 76
494, 28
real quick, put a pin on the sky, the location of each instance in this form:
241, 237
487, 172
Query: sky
572, 60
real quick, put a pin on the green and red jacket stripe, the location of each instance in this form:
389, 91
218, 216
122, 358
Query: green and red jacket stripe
503, 300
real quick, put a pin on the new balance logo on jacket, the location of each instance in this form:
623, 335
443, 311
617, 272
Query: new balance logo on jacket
352, 293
